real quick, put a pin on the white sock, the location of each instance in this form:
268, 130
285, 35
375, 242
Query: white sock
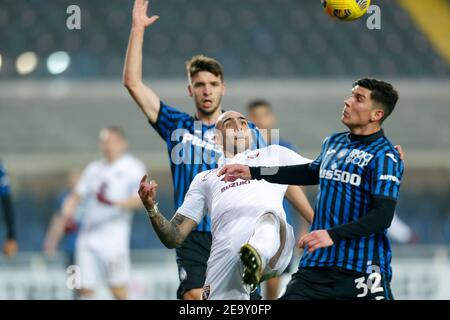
266, 237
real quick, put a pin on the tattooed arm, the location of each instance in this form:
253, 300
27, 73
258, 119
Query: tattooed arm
171, 233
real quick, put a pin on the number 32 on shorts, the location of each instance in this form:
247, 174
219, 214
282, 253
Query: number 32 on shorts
373, 284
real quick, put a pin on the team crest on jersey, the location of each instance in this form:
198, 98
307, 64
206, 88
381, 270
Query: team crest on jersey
342, 153
359, 158
206, 291
206, 177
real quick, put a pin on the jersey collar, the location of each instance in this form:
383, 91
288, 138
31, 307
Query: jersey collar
238, 158
365, 138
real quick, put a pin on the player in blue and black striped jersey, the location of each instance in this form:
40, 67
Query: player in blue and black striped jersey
189, 139
10, 245
347, 253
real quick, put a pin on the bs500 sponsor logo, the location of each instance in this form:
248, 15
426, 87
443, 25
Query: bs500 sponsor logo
341, 176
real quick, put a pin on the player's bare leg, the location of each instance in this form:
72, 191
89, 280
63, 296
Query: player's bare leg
119, 293
193, 294
272, 288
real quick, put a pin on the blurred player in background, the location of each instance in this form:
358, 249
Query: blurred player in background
10, 246
192, 150
57, 228
260, 112
347, 254
247, 217
109, 188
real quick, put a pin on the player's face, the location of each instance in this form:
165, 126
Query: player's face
235, 133
359, 109
112, 145
207, 91
262, 117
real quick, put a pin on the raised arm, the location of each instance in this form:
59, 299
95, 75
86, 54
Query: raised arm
171, 233
147, 100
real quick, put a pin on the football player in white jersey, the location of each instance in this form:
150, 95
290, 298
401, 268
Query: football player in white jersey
251, 238
108, 188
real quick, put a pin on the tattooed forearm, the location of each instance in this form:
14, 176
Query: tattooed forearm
169, 232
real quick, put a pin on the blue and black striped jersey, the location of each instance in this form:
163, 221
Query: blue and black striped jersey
353, 170
191, 149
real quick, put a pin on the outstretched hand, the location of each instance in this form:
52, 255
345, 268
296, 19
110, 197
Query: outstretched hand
315, 240
140, 17
147, 192
232, 172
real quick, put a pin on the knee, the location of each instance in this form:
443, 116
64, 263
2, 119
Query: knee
269, 217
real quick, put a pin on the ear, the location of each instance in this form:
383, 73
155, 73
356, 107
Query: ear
377, 115
224, 88
190, 90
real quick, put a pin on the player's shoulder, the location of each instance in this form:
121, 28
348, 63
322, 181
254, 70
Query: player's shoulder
274, 148
337, 135
95, 165
133, 166
93, 168
387, 150
174, 112
334, 137
133, 160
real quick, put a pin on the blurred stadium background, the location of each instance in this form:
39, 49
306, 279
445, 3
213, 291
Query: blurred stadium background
286, 51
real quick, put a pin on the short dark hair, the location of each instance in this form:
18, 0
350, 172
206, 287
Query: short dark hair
201, 63
258, 104
381, 92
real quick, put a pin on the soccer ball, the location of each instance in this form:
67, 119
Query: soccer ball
346, 10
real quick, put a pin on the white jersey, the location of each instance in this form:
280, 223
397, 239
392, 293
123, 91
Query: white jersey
236, 206
104, 226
